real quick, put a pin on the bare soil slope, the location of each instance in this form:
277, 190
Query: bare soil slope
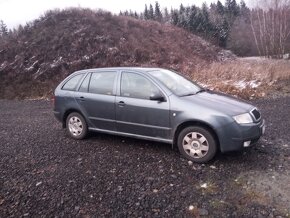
35, 58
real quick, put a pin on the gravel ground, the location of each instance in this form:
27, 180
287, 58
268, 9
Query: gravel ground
44, 173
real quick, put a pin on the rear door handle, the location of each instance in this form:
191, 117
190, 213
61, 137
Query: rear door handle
121, 103
82, 98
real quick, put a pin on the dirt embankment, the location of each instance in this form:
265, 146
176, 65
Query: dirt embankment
36, 57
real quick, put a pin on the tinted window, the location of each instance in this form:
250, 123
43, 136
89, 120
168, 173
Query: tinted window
102, 83
85, 84
137, 86
71, 85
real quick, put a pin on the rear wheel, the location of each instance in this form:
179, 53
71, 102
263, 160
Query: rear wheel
76, 126
197, 144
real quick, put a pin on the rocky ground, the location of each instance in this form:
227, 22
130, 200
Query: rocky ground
45, 173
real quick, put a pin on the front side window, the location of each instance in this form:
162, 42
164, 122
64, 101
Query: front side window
137, 86
102, 83
71, 85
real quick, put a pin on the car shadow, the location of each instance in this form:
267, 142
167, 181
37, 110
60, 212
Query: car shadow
247, 157
128, 141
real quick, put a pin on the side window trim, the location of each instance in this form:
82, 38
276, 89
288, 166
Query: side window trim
142, 75
118, 83
89, 74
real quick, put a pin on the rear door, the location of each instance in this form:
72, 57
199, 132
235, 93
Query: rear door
96, 97
136, 113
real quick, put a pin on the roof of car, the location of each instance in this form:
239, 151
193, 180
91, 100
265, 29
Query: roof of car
142, 69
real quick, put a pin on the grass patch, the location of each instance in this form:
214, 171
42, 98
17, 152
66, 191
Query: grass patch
244, 77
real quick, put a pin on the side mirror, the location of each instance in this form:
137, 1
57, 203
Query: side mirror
157, 97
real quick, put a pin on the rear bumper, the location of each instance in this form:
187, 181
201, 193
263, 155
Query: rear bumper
57, 115
235, 137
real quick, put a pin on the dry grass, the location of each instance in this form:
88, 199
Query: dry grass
244, 77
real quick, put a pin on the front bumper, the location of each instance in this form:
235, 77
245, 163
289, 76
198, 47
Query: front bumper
235, 137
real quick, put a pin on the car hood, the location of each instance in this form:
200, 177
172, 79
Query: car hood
219, 102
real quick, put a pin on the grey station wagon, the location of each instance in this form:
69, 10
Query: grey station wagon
158, 105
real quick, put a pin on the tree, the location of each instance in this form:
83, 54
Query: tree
271, 27
193, 21
220, 8
166, 17
243, 4
240, 40
244, 10
174, 17
232, 10
3, 29
205, 26
224, 30
182, 17
126, 13
157, 14
146, 13
181, 8
131, 14
141, 16
240, 37
234, 7
151, 12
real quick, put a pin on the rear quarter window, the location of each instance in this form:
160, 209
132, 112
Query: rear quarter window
72, 83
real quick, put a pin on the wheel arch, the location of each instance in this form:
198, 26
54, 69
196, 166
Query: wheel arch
67, 113
189, 123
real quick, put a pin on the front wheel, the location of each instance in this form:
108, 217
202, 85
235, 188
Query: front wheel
197, 144
76, 126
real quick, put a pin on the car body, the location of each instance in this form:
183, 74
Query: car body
158, 105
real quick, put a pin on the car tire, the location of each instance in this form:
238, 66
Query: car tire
76, 126
197, 144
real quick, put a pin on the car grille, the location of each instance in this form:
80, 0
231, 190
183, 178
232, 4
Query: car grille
256, 114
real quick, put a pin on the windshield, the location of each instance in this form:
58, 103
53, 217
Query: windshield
175, 83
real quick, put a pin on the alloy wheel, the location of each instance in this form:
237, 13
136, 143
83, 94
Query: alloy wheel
75, 126
195, 145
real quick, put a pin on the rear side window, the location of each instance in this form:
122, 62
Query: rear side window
71, 85
102, 83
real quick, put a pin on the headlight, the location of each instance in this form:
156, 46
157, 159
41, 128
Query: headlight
243, 118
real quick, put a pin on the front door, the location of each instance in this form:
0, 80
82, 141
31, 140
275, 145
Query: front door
136, 113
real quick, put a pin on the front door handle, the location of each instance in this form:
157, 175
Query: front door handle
121, 103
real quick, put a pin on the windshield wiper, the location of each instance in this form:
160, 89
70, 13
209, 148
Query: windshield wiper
189, 94
194, 93
200, 91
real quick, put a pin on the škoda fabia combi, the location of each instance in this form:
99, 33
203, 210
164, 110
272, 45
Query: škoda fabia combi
158, 105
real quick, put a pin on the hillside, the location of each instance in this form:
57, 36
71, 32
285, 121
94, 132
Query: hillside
33, 59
